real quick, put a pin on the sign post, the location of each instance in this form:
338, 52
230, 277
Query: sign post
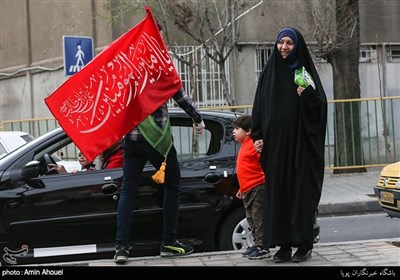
78, 51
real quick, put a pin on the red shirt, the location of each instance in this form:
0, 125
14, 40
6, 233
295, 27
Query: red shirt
248, 168
115, 160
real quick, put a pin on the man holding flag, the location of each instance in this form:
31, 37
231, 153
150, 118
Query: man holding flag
152, 141
123, 92
137, 151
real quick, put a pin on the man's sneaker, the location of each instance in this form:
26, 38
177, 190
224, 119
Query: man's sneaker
259, 253
175, 249
249, 250
121, 255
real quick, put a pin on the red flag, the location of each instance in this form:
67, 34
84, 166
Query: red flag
120, 87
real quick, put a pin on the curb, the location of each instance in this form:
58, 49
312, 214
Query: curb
349, 208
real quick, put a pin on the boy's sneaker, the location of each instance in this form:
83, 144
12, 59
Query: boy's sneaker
259, 253
249, 250
121, 255
175, 249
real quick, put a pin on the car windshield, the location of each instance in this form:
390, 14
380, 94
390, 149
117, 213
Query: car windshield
3, 152
27, 137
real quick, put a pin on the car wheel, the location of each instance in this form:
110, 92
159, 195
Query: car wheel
235, 233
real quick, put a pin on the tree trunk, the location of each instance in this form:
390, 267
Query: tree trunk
225, 84
346, 85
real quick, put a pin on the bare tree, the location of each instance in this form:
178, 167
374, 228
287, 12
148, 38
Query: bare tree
213, 25
210, 24
337, 33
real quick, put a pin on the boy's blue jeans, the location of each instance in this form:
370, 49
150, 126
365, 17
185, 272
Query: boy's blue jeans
136, 154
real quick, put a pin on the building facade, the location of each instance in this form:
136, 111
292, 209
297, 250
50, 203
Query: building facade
31, 52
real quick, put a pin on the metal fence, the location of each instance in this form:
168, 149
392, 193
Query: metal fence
378, 120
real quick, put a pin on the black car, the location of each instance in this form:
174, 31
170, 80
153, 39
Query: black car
61, 217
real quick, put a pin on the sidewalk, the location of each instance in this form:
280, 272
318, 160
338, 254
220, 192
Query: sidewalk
384, 253
349, 193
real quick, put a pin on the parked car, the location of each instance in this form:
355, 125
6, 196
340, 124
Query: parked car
387, 189
65, 217
11, 140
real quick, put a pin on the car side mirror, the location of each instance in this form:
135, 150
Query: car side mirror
31, 170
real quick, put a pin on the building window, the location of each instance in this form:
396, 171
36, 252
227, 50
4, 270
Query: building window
367, 54
393, 53
201, 76
262, 54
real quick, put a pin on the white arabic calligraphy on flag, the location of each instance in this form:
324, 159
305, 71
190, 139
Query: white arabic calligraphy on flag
121, 86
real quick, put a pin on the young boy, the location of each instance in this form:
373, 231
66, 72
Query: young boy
252, 185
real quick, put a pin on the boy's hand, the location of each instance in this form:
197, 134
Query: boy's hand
258, 145
239, 195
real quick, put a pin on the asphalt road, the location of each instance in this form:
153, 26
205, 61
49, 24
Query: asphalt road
358, 227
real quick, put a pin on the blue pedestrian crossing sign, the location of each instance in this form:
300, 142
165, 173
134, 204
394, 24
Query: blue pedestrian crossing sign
78, 51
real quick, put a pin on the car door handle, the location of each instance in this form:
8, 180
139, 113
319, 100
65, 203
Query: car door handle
109, 188
213, 177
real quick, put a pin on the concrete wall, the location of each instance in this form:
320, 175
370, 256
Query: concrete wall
32, 30
379, 21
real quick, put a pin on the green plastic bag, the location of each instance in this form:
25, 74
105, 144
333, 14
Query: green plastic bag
302, 78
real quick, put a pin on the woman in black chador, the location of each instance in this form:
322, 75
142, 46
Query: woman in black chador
289, 123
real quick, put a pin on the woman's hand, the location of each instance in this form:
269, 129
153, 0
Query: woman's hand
300, 90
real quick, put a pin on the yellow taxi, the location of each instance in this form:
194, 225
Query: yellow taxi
387, 189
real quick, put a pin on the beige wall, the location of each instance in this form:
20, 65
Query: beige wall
264, 23
31, 36
380, 21
13, 33
24, 43
32, 30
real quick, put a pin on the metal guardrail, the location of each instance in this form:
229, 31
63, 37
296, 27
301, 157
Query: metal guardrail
378, 121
